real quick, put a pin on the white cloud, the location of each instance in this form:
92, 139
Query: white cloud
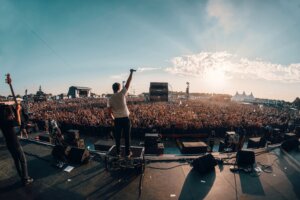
232, 66
119, 76
142, 69
223, 12
123, 76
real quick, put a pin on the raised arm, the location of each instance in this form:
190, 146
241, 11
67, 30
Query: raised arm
129, 79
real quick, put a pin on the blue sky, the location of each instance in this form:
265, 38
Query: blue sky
218, 46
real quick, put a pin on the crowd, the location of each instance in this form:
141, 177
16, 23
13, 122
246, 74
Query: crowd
193, 114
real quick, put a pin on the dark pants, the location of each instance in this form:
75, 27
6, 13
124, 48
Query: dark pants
16, 151
122, 124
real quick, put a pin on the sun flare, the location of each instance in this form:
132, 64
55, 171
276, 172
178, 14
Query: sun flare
216, 78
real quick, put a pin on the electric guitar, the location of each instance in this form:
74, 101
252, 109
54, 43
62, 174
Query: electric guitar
17, 114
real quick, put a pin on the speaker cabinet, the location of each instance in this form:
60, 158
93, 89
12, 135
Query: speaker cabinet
204, 163
290, 144
72, 135
44, 137
77, 155
103, 145
245, 158
58, 153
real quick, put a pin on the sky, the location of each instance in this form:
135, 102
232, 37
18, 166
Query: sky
219, 46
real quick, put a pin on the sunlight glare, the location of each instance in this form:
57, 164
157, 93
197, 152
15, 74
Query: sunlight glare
216, 78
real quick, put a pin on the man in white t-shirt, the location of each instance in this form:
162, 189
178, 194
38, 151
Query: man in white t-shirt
119, 112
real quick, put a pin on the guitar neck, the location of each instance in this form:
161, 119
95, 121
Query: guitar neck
13, 94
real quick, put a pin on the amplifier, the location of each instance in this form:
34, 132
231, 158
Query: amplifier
192, 147
204, 164
151, 139
103, 145
245, 158
155, 149
72, 135
44, 136
77, 155
160, 148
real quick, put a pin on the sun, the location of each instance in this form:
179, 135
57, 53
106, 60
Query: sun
215, 78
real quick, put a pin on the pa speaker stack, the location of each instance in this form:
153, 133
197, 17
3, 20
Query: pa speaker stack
153, 144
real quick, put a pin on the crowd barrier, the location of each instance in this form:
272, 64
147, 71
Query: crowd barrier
104, 131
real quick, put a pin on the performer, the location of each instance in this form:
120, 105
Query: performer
7, 123
119, 112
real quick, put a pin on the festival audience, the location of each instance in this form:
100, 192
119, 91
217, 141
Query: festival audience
179, 114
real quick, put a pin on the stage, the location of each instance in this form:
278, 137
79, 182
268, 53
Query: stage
166, 177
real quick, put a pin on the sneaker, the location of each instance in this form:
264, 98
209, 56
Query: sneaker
27, 181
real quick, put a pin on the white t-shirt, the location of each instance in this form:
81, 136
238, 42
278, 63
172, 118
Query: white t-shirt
117, 102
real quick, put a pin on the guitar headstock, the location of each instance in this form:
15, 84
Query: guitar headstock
8, 79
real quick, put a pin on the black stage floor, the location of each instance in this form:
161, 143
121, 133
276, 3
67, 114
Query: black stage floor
165, 178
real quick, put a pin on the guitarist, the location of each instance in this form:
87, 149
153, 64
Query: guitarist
8, 120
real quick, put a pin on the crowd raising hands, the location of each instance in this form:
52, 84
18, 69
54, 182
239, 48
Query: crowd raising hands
187, 114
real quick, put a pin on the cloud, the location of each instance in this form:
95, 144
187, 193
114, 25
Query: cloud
224, 12
123, 76
142, 69
232, 66
119, 76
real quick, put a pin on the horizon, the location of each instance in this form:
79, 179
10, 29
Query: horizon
183, 92
218, 47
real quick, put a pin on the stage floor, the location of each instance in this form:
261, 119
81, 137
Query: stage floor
164, 178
